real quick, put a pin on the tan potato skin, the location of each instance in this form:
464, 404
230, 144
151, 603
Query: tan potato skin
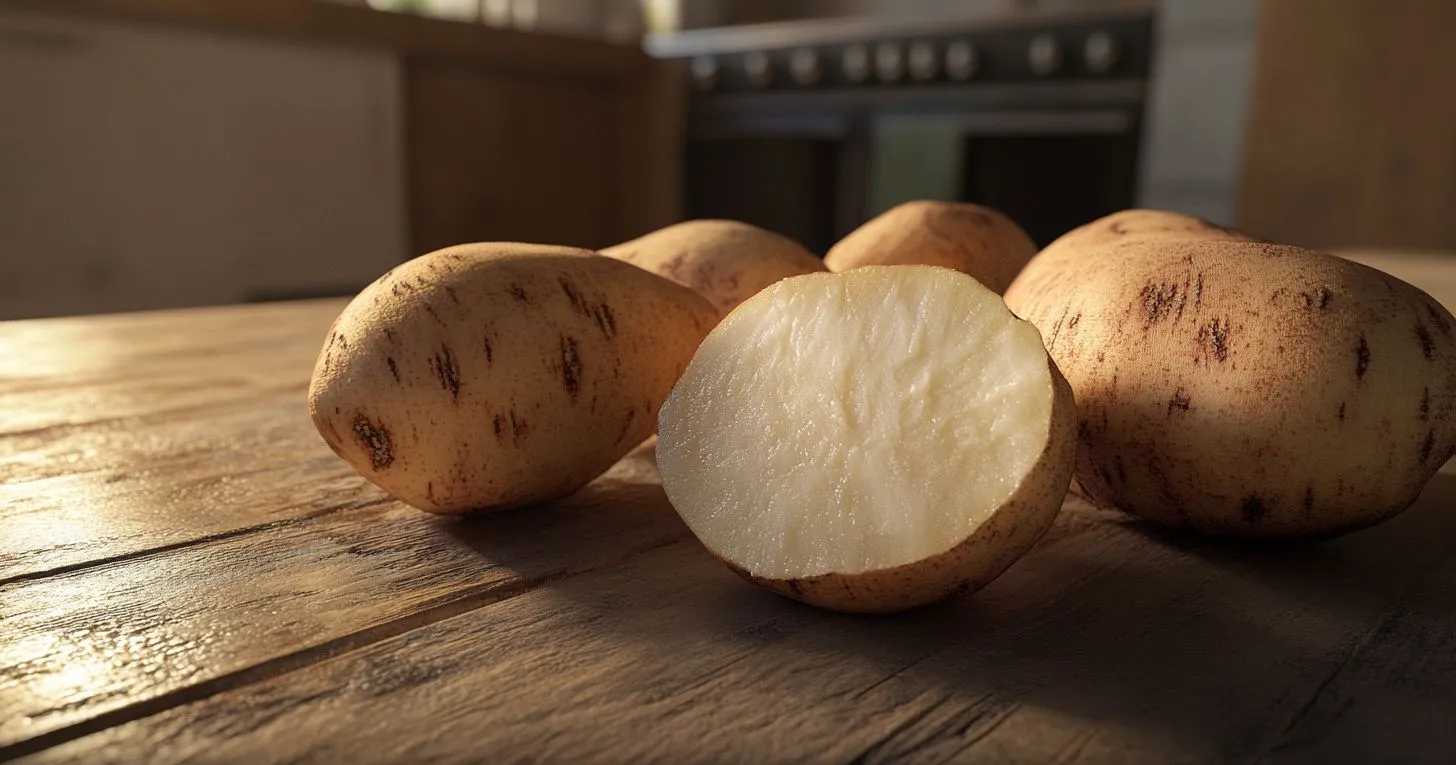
725, 261
972, 239
487, 376
1142, 224
973, 563
1244, 388
1107, 237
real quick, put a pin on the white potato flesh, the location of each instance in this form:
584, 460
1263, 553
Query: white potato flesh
854, 422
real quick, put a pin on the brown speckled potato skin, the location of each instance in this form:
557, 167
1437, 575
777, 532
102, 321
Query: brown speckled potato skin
1244, 388
486, 376
1007, 535
969, 238
725, 261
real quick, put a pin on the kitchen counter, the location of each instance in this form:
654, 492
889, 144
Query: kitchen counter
188, 573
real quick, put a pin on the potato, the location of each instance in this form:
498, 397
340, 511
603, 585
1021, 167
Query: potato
493, 375
1130, 225
1245, 388
869, 441
968, 238
1108, 236
725, 261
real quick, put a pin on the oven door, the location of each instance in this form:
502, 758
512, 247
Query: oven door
814, 165
802, 175
1050, 170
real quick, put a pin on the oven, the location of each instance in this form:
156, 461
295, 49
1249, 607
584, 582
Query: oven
810, 129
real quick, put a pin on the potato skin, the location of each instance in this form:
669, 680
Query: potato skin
1244, 388
487, 376
725, 261
969, 238
1008, 534
1143, 225
1107, 238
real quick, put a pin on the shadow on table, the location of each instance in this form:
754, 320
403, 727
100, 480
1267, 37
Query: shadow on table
1173, 641
616, 517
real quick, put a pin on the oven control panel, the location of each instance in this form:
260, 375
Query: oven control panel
1114, 49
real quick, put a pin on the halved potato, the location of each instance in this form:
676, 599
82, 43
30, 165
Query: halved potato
869, 441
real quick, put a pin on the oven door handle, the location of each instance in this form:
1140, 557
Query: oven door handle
1098, 122
729, 126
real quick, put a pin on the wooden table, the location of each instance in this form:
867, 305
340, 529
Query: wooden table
187, 573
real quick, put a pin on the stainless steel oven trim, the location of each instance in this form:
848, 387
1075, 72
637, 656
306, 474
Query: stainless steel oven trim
831, 31
1044, 123
1068, 96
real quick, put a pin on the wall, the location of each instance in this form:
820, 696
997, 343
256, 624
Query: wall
149, 167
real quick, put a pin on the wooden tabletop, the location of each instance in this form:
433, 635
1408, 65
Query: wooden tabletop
188, 574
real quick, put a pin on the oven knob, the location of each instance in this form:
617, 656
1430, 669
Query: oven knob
855, 63
1100, 52
804, 66
889, 62
704, 71
924, 63
1044, 55
759, 69
961, 61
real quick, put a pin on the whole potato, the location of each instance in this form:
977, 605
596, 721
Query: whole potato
1136, 225
969, 238
493, 375
1246, 388
725, 261
1109, 237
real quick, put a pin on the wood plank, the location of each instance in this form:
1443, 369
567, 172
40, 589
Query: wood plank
1112, 642
143, 431
1348, 139
105, 644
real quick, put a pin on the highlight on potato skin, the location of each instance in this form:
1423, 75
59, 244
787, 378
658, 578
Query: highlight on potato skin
975, 240
725, 261
494, 375
1242, 388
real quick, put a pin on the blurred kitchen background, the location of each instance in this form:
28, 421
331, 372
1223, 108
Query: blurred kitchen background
164, 153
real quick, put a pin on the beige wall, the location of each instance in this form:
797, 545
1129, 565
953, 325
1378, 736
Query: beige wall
143, 167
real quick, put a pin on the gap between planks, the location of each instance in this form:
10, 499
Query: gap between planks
259, 528
464, 603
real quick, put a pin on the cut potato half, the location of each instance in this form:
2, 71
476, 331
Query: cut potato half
869, 441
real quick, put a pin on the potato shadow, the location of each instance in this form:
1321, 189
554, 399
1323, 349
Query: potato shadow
615, 517
1207, 645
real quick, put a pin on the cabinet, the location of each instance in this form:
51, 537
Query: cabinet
1350, 125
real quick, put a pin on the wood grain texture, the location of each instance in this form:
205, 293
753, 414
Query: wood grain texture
1348, 139
190, 575
107, 642
142, 431
1112, 642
